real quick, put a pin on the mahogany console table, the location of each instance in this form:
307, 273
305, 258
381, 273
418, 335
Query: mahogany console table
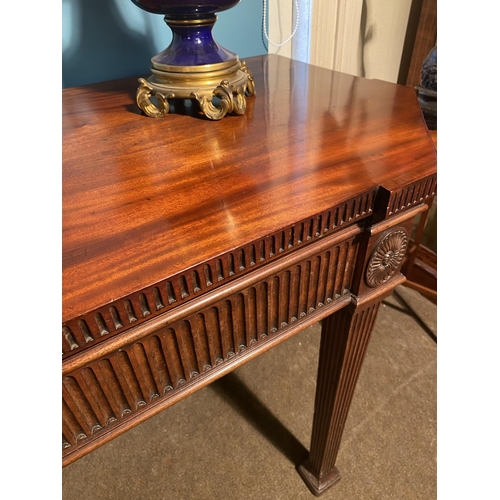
191, 246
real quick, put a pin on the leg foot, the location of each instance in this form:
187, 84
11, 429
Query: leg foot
316, 485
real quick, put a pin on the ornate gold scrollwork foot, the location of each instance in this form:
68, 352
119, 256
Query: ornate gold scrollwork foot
219, 88
143, 98
250, 89
230, 100
240, 103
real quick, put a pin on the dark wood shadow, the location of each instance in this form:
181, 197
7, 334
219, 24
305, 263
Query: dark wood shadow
241, 398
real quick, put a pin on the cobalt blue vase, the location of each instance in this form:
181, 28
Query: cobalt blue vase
191, 22
185, 8
194, 65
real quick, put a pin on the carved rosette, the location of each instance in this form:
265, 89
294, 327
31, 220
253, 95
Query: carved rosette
386, 258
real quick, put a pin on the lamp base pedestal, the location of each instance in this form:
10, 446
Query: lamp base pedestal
219, 88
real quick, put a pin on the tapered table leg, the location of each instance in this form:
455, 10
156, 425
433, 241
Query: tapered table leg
344, 339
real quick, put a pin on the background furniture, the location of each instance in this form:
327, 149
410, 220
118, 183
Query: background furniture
420, 266
190, 247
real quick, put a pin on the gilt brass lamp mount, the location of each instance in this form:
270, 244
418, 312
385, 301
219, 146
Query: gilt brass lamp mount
194, 65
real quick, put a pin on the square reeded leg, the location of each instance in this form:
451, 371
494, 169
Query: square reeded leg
344, 339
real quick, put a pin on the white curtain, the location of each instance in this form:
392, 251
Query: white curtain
282, 21
358, 37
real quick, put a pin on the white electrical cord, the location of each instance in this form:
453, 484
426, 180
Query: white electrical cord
264, 23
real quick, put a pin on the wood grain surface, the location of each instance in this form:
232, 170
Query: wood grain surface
144, 198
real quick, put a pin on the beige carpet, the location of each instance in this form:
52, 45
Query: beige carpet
241, 437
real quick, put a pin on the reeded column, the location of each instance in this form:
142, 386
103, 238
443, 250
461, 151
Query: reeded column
344, 339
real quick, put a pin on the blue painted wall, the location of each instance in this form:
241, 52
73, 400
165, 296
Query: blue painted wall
108, 39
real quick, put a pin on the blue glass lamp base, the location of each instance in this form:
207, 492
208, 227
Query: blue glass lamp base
192, 44
195, 66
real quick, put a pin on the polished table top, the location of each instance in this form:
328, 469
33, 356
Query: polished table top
144, 199
191, 246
